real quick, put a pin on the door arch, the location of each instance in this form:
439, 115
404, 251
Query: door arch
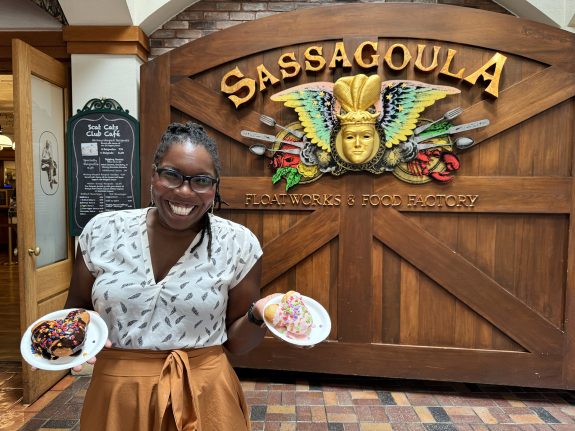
449, 292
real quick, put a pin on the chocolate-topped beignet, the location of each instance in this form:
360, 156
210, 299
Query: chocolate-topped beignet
61, 337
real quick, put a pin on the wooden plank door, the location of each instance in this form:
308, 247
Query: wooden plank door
45, 250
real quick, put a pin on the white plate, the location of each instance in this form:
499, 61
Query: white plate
321, 323
96, 336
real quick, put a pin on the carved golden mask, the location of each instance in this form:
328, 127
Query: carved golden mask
358, 141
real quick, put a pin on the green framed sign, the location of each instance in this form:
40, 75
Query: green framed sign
103, 162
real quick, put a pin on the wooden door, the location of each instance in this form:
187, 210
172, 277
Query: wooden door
430, 288
44, 245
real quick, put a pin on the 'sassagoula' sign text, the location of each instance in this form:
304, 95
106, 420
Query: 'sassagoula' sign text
241, 88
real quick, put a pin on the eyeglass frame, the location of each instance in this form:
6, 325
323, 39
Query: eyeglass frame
188, 178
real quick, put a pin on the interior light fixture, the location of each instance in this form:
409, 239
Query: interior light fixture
5, 141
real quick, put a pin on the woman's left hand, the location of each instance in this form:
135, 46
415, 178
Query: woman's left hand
261, 305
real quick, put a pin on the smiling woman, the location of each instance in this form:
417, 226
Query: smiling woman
174, 284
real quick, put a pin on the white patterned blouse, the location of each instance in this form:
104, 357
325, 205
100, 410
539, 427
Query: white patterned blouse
184, 310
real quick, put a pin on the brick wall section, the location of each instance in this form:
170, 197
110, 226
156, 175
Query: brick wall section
208, 16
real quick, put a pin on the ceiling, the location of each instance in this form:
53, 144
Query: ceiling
25, 15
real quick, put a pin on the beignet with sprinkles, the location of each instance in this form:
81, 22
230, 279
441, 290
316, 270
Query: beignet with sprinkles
290, 315
61, 337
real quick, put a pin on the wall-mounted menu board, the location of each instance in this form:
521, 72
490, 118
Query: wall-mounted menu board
103, 161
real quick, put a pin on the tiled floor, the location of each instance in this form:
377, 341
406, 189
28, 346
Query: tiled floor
13, 414
283, 401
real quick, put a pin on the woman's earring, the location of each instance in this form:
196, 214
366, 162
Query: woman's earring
151, 197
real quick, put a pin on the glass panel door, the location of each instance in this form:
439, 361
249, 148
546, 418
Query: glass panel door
49, 171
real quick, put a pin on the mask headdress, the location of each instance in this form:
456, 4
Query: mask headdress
356, 94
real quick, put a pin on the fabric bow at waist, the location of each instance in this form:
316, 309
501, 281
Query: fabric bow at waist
174, 388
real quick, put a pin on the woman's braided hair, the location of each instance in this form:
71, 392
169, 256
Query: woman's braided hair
194, 134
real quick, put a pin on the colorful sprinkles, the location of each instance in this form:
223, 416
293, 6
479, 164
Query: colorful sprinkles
294, 316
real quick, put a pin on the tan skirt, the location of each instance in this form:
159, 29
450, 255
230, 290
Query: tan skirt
145, 390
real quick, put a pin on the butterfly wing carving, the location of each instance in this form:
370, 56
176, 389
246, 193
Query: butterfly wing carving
314, 104
401, 104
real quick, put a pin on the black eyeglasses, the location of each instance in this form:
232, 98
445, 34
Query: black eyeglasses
172, 179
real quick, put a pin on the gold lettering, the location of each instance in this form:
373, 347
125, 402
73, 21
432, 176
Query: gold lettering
241, 89
389, 54
418, 62
306, 200
430, 200
285, 65
295, 199
314, 55
373, 200
383, 200
497, 61
265, 76
339, 55
359, 53
445, 69
327, 200
265, 200
243, 84
436, 201
452, 199
249, 198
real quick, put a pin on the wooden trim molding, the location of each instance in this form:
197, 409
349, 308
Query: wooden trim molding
107, 40
49, 42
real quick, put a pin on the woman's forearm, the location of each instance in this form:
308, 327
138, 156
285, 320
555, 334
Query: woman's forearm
244, 336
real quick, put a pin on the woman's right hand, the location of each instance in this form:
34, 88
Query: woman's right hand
92, 360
